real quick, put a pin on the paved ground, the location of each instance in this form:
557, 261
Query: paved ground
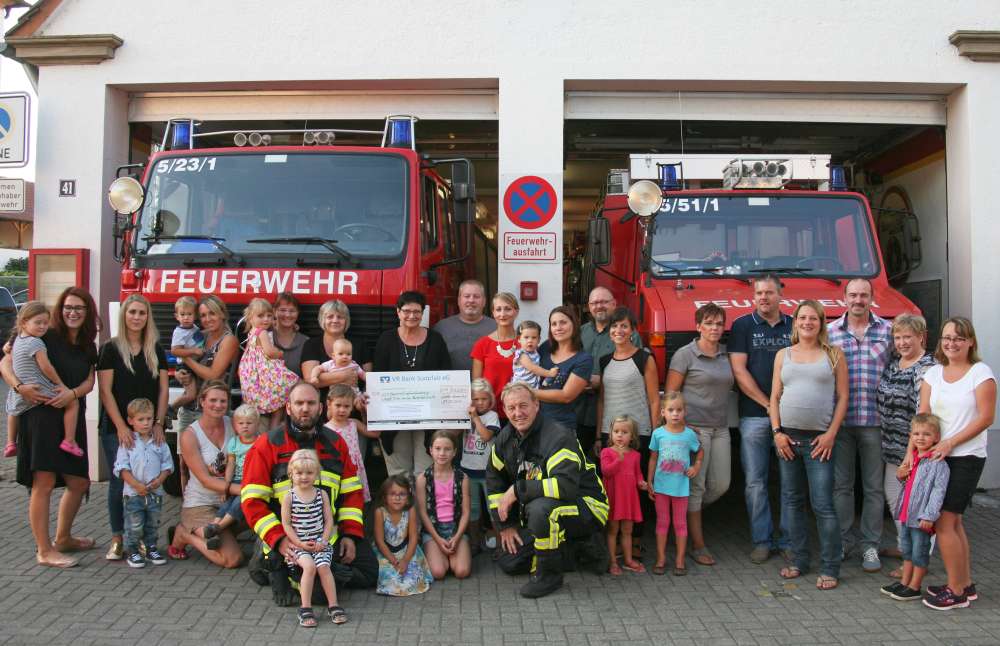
735, 602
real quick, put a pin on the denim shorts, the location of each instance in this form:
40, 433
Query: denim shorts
915, 544
445, 530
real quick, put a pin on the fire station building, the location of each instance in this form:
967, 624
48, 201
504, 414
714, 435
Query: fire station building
903, 94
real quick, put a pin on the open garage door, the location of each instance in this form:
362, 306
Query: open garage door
469, 104
928, 110
891, 144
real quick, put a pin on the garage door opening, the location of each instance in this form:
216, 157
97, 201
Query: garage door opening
473, 139
898, 167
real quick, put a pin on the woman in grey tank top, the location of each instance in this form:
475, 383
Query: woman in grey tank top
809, 398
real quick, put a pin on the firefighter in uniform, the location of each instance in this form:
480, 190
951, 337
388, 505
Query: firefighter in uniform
543, 493
266, 482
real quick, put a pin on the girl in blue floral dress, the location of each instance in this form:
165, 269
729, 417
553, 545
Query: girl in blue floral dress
402, 568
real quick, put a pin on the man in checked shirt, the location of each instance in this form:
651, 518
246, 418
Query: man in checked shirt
866, 340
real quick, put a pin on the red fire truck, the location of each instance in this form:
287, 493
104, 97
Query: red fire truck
665, 242
243, 214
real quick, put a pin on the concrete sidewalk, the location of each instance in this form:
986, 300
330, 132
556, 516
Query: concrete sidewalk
735, 602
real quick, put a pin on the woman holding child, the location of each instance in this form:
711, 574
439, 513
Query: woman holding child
563, 350
492, 355
202, 445
334, 320
962, 391
131, 365
41, 465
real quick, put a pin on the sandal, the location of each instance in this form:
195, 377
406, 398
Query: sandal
177, 553
307, 618
337, 614
634, 566
680, 571
897, 573
58, 561
702, 556
615, 570
790, 572
659, 570
826, 582
72, 449
210, 533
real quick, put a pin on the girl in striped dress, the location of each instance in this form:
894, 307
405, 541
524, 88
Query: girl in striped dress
308, 523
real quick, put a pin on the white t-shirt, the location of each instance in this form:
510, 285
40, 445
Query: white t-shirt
476, 452
955, 404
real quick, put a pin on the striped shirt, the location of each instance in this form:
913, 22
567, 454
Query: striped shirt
27, 372
307, 517
866, 360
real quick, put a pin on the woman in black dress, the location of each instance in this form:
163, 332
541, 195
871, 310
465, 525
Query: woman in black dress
41, 466
407, 348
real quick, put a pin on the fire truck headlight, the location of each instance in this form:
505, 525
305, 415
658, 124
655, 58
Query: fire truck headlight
644, 198
125, 195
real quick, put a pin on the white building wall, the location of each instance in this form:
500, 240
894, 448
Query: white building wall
535, 51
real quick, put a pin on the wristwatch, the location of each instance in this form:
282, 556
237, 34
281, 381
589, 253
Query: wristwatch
775, 431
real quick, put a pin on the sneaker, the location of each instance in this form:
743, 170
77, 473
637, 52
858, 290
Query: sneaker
10, 450
870, 561
135, 560
970, 592
946, 600
760, 553
116, 552
155, 557
906, 593
892, 588
490, 542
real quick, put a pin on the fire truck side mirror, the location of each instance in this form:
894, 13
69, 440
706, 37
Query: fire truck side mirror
463, 190
599, 235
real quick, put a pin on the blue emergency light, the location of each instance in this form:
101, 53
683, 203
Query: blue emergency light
401, 135
180, 134
838, 178
668, 178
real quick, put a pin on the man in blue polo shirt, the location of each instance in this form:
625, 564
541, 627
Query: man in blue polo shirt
753, 342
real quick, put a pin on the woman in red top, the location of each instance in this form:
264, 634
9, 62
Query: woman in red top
493, 355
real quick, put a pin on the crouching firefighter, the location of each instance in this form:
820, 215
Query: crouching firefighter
266, 482
545, 497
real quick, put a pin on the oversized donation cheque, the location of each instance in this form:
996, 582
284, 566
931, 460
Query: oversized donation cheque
420, 400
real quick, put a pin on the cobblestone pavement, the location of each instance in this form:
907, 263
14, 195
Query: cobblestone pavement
734, 603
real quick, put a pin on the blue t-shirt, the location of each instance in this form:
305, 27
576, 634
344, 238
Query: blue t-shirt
673, 459
236, 447
760, 341
580, 364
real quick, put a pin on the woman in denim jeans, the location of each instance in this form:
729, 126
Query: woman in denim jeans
808, 403
131, 365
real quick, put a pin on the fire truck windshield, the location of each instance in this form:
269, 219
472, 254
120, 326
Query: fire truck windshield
820, 234
356, 201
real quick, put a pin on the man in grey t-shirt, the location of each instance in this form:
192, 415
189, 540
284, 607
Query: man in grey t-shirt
462, 330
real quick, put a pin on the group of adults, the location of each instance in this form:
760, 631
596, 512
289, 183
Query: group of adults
819, 396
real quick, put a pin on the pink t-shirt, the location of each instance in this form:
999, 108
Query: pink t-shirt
444, 497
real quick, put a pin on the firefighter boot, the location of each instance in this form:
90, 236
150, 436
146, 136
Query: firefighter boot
546, 578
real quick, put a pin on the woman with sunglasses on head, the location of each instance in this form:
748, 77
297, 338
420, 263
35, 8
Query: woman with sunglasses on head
202, 446
962, 391
409, 347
